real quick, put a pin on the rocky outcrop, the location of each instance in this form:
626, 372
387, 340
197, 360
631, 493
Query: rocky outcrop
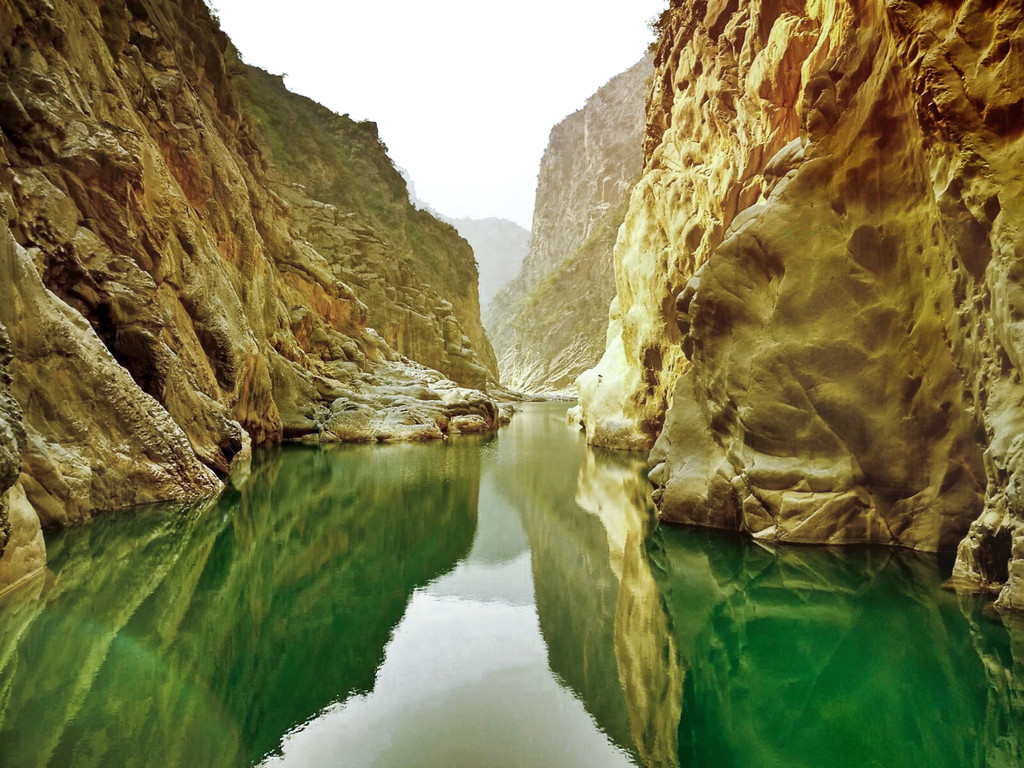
166, 306
93, 439
21, 537
547, 326
818, 279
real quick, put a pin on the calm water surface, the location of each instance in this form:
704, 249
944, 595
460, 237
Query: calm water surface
488, 602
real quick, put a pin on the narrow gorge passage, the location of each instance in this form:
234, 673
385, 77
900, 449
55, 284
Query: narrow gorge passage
571, 383
488, 601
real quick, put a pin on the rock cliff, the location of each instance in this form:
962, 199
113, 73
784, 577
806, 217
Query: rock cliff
163, 287
819, 279
416, 275
547, 326
22, 551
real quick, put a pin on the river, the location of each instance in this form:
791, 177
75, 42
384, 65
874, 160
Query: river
488, 601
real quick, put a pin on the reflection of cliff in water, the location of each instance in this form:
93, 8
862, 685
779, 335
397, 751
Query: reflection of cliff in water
576, 593
614, 488
807, 657
230, 622
600, 612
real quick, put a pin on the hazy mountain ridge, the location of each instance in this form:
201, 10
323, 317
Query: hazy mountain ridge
547, 326
500, 247
416, 275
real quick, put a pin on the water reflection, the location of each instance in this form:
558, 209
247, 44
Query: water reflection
477, 671
816, 656
497, 602
601, 614
198, 636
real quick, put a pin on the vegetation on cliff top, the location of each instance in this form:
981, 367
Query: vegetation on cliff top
344, 162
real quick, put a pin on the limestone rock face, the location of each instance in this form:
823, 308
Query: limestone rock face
20, 533
92, 438
160, 281
547, 326
819, 280
701, 170
12, 438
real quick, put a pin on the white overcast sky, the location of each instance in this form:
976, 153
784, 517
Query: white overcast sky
464, 91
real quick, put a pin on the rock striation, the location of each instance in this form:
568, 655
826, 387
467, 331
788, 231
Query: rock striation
818, 283
21, 537
547, 326
172, 294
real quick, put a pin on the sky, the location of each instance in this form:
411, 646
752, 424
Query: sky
464, 92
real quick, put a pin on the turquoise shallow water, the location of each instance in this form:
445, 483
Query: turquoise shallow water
488, 602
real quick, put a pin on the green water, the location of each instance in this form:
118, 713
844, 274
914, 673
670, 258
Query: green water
488, 602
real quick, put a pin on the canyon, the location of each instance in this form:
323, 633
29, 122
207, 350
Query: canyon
778, 259
807, 238
500, 246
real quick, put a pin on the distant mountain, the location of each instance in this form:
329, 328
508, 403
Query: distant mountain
548, 324
500, 246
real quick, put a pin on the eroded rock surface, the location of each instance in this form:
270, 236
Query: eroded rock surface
21, 538
92, 438
547, 326
173, 296
819, 283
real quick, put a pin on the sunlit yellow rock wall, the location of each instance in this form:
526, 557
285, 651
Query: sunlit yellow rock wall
819, 280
